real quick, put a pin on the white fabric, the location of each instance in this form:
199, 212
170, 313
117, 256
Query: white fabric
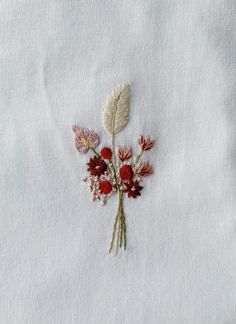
59, 61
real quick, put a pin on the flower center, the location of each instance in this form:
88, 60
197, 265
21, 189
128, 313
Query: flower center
85, 142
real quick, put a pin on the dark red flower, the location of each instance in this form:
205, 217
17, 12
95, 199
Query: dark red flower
105, 187
133, 189
126, 172
96, 166
106, 153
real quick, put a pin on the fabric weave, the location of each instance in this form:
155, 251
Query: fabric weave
58, 61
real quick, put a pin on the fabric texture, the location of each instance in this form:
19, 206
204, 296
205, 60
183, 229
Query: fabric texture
59, 61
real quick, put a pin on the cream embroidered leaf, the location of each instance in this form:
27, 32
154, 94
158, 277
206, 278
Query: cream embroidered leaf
116, 110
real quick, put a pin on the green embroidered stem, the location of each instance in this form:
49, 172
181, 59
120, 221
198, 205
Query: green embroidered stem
113, 148
114, 172
121, 219
119, 232
125, 240
123, 234
137, 158
113, 161
95, 152
114, 230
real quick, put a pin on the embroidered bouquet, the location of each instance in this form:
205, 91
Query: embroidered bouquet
110, 170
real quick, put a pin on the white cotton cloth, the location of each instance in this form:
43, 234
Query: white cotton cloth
59, 59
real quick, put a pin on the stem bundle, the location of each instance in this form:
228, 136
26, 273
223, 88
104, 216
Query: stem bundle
119, 228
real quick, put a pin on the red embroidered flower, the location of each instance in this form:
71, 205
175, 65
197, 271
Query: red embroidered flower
96, 166
145, 143
133, 189
126, 172
145, 169
105, 187
124, 153
106, 153
85, 139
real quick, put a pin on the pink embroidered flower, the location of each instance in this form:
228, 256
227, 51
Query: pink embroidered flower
124, 153
145, 169
85, 139
145, 143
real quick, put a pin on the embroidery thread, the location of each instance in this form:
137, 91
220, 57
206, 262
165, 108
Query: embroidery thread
114, 171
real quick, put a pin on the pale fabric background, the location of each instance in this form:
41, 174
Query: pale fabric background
58, 61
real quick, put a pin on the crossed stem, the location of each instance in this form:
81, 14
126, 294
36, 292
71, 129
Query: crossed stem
119, 228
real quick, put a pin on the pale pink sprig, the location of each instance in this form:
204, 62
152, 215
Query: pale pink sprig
85, 139
93, 184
